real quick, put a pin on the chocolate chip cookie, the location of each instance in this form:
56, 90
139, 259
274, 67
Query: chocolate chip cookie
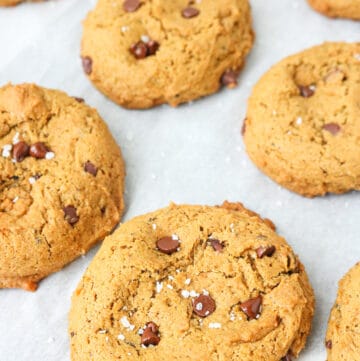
302, 125
342, 339
338, 8
192, 281
61, 182
144, 53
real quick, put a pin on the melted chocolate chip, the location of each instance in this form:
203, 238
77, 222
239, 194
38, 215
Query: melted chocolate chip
38, 150
333, 128
131, 5
252, 307
20, 151
287, 357
79, 100
71, 216
167, 245
328, 344
229, 78
150, 335
190, 12
204, 305
90, 168
87, 64
152, 47
139, 50
306, 91
265, 251
216, 245
142, 50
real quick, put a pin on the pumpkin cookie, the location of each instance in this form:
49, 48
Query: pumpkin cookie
144, 53
192, 281
342, 339
338, 8
62, 181
302, 126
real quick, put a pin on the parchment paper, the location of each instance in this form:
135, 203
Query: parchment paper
192, 154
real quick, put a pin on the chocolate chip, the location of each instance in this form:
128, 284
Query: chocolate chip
306, 91
131, 5
333, 128
287, 357
243, 128
38, 150
72, 334
150, 335
87, 64
71, 214
204, 305
20, 151
190, 12
139, 50
216, 245
265, 251
79, 100
152, 47
252, 307
328, 344
90, 168
229, 78
167, 245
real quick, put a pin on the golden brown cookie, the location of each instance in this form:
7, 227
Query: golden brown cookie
338, 8
61, 182
144, 53
302, 127
192, 281
342, 338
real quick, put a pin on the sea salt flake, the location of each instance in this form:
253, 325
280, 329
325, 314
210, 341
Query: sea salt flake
199, 306
125, 322
121, 337
187, 281
170, 287
171, 278
32, 180
49, 155
124, 29
175, 237
145, 38
102, 332
159, 287
16, 138
214, 325
6, 150
15, 199
205, 292
185, 293
299, 120
154, 226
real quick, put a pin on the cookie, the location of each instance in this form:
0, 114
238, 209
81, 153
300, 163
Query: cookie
338, 8
144, 53
62, 181
302, 123
192, 281
342, 338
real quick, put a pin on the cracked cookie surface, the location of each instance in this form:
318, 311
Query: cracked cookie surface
144, 53
302, 124
338, 8
196, 283
61, 182
342, 338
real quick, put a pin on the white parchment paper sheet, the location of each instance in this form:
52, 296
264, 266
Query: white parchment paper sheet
192, 154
